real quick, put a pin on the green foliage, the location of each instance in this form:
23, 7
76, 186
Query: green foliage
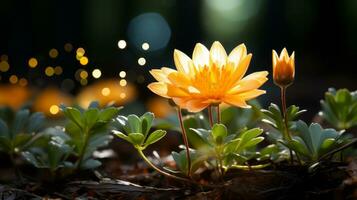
136, 130
313, 143
50, 151
88, 130
223, 149
18, 130
274, 117
339, 108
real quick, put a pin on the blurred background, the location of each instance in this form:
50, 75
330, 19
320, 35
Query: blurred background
73, 52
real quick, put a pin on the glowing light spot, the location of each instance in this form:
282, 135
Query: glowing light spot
22, 82
13, 79
80, 52
83, 60
122, 82
141, 61
105, 91
32, 62
121, 44
68, 47
96, 73
122, 95
54, 109
83, 74
4, 57
4, 66
49, 71
53, 53
145, 46
122, 74
58, 70
84, 82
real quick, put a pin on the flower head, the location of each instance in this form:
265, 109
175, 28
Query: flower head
209, 78
283, 68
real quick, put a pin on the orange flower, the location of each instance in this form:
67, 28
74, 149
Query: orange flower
210, 78
283, 68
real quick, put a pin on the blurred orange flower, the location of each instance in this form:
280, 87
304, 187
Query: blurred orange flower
14, 96
210, 78
283, 68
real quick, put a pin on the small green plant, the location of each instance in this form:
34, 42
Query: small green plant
136, 130
225, 150
313, 143
339, 108
51, 151
18, 130
88, 130
273, 116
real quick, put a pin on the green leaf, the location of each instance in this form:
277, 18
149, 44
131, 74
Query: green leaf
122, 136
147, 120
74, 115
219, 132
109, 113
20, 120
91, 117
134, 124
136, 138
154, 137
36, 122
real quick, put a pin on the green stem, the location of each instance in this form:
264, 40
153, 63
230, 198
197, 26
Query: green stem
83, 150
142, 155
185, 140
210, 116
287, 134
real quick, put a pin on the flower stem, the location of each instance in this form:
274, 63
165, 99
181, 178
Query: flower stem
142, 155
210, 116
218, 114
185, 140
283, 105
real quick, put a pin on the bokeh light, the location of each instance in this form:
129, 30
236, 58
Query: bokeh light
122, 74
141, 61
105, 91
80, 52
13, 79
122, 44
145, 46
96, 73
53, 53
32, 62
58, 70
151, 28
83, 60
23, 82
123, 82
4, 66
68, 47
49, 71
54, 109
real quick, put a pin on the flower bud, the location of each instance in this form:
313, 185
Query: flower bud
283, 68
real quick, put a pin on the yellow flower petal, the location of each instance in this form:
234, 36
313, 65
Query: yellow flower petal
237, 54
275, 58
236, 100
159, 75
251, 94
173, 91
183, 63
218, 55
196, 105
200, 56
178, 79
159, 89
250, 82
